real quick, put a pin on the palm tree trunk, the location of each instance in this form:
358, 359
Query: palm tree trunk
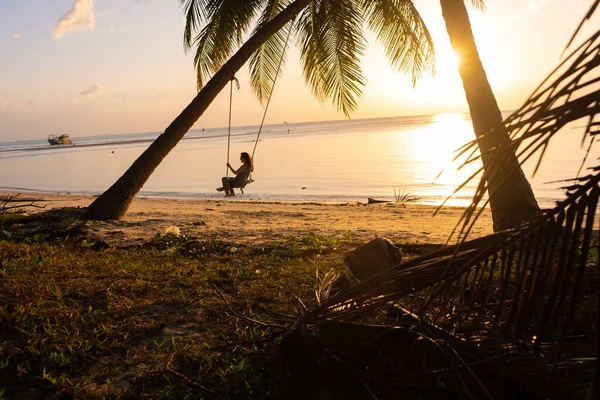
511, 199
114, 202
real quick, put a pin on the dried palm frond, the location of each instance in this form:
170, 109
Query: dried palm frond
569, 94
540, 262
520, 294
323, 284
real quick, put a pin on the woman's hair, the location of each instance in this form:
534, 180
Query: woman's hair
248, 160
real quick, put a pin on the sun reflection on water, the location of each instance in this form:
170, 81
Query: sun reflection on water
432, 148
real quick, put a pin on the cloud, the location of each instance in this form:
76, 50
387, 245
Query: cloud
16, 35
79, 17
12, 105
92, 90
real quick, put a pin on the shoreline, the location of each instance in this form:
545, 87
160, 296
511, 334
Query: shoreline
256, 222
254, 198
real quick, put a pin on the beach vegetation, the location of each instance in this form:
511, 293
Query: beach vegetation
403, 196
80, 318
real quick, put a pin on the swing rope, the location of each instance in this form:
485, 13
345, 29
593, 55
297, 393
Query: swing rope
266, 106
229, 128
272, 88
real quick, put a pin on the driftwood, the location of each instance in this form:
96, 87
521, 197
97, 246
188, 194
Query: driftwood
14, 202
375, 201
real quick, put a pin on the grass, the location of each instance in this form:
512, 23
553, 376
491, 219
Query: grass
175, 318
402, 196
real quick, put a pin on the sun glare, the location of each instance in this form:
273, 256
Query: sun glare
449, 119
449, 132
446, 61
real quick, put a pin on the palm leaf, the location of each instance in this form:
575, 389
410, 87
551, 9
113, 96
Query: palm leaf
227, 21
195, 12
310, 35
332, 42
407, 42
478, 4
269, 59
589, 14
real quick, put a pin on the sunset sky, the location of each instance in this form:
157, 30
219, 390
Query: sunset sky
105, 67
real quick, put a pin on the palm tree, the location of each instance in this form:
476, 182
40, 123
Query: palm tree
511, 199
331, 38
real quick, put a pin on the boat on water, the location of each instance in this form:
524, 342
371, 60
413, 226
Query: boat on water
59, 139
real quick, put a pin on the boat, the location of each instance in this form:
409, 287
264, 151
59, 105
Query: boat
59, 139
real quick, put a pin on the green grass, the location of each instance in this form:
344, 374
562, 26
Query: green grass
175, 318
80, 319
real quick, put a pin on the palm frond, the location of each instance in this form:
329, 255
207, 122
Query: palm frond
525, 265
407, 42
195, 12
478, 4
269, 59
569, 94
332, 42
227, 21
310, 38
588, 15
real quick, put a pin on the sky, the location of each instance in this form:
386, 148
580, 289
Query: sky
103, 67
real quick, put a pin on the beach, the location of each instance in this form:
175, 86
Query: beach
253, 223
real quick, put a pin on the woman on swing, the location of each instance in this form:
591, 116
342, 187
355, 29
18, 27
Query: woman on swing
242, 174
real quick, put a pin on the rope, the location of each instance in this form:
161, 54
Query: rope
272, 90
229, 128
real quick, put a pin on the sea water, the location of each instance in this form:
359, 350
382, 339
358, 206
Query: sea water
330, 161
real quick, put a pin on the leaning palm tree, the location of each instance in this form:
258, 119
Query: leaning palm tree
331, 39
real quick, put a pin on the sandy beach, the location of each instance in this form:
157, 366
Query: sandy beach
254, 223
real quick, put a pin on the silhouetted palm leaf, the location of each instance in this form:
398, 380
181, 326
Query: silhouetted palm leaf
519, 295
570, 93
266, 63
331, 36
220, 37
399, 19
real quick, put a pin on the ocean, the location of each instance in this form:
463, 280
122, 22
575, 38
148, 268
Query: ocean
328, 161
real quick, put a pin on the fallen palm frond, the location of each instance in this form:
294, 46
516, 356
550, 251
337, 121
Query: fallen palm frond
520, 295
537, 263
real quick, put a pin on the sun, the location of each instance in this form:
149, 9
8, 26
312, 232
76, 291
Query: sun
446, 61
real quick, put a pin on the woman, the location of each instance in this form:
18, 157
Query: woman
242, 174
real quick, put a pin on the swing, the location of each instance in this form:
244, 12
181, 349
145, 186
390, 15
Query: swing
249, 179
